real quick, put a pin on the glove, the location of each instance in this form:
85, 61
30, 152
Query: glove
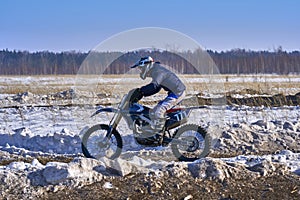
136, 95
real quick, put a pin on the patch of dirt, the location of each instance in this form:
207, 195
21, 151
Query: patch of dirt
7, 158
140, 186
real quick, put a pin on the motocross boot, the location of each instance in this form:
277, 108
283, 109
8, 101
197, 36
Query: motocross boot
158, 125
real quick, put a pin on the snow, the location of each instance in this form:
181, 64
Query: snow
107, 185
285, 157
244, 79
38, 134
57, 142
58, 129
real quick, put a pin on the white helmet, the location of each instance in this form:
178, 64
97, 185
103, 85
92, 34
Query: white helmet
144, 64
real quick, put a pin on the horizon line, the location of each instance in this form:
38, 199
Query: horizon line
278, 49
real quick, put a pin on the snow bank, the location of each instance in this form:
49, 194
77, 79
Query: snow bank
64, 142
83, 171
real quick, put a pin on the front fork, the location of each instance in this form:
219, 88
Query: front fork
113, 124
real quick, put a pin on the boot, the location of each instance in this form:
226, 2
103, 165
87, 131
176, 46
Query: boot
158, 125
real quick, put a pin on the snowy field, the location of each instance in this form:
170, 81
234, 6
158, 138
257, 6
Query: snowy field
44, 117
271, 84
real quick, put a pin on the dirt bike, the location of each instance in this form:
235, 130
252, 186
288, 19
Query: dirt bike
188, 143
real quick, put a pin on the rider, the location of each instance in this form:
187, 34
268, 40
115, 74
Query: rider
162, 78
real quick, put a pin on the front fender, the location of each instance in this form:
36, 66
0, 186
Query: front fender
101, 109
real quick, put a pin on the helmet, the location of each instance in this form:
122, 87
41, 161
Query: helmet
144, 65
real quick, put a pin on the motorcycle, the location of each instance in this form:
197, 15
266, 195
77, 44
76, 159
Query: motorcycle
188, 142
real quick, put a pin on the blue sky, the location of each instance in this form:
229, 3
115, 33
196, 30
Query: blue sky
63, 25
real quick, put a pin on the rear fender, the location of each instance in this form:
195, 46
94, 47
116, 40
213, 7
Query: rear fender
102, 109
188, 110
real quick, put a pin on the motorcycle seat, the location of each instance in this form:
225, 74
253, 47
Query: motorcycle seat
173, 110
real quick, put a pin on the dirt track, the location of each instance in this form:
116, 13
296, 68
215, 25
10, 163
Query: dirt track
139, 186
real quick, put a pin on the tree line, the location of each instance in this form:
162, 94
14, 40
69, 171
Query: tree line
236, 61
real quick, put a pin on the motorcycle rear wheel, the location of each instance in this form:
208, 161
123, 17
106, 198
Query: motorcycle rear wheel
190, 142
95, 144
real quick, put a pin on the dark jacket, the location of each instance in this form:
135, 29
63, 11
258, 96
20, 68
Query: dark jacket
163, 78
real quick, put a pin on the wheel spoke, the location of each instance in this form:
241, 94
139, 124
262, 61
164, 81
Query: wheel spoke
96, 145
191, 142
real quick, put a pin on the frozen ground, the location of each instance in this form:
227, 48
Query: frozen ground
40, 143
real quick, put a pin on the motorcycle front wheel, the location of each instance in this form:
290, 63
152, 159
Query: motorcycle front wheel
190, 142
96, 144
